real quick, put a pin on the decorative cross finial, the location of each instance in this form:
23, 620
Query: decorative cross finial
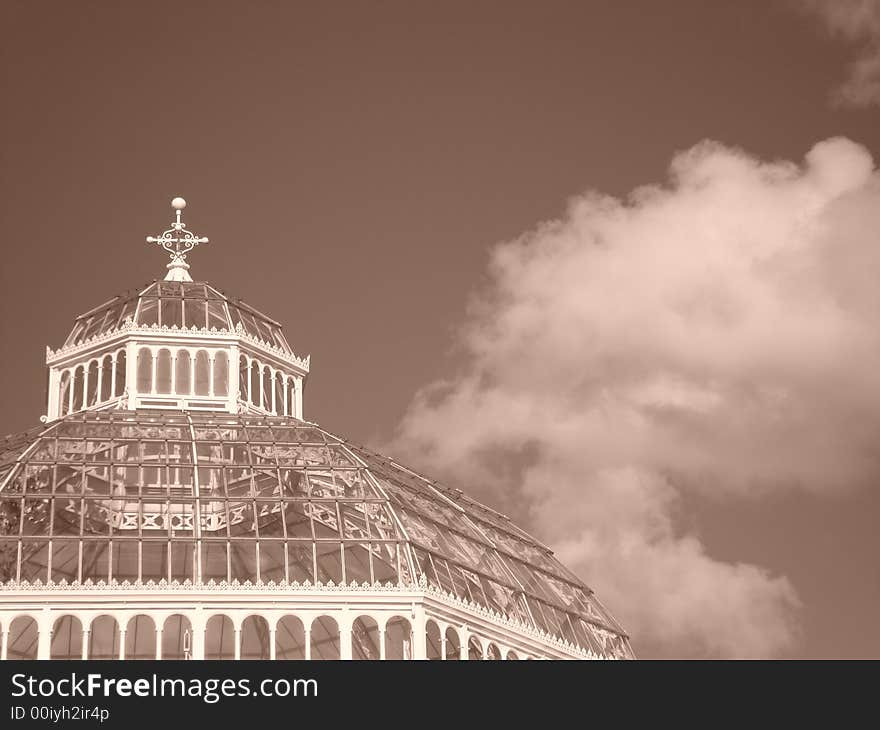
178, 242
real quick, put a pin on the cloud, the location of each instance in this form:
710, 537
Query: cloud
716, 335
856, 21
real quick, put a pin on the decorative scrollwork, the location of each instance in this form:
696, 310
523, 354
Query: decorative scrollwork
178, 242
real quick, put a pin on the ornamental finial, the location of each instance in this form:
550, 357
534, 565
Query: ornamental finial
178, 242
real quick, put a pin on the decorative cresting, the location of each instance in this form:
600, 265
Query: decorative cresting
178, 242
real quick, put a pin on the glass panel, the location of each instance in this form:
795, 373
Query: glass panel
144, 370
324, 638
106, 378
183, 373
172, 312
432, 640
216, 315
398, 639
67, 636
92, 387
475, 648
365, 638
149, 311
104, 638
290, 639
120, 374
64, 396
221, 374
140, 638
219, 638
177, 638
266, 389
203, 374
163, 371
78, 393
21, 642
254, 638
194, 309
453, 646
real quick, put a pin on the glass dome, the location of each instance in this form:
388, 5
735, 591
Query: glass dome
144, 496
180, 304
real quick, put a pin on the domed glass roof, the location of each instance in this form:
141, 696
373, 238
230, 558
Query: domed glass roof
181, 304
186, 495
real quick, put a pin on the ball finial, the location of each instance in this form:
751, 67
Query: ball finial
178, 204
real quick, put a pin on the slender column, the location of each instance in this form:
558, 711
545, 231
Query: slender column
85, 647
273, 389
113, 392
153, 363
53, 406
419, 638
272, 643
298, 397
159, 642
237, 643
344, 635
122, 629
99, 386
286, 387
211, 354
307, 634
70, 390
44, 637
174, 372
85, 397
131, 373
250, 394
4, 639
443, 642
463, 639
382, 644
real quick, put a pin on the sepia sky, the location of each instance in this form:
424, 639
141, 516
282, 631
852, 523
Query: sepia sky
611, 266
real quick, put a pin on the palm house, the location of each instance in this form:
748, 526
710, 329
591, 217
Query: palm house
174, 503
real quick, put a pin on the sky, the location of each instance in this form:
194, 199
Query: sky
610, 267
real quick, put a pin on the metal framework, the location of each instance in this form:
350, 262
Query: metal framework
175, 504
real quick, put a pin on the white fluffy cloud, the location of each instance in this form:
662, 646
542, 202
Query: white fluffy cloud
857, 21
717, 334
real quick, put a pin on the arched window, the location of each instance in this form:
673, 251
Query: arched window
67, 638
324, 642
266, 392
475, 648
203, 373
398, 639
453, 645
163, 371
92, 385
21, 643
145, 370
183, 373
493, 653
432, 640
104, 638
219, 638
221, 374
64, 395
78, 383
290, 639
177, 638
254, 638
140, 638
120, 375
255, 383
106, 378
242, 378
365, 638
511, 656
278, 402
